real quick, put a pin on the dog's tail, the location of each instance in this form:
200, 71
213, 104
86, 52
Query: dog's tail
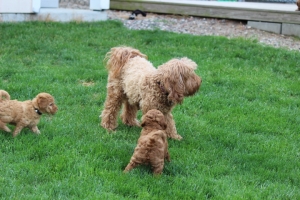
117, 57
4, 95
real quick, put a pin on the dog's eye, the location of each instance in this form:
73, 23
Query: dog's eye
51, 104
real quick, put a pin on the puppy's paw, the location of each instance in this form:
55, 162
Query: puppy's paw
36, 130
7, 129
176, 137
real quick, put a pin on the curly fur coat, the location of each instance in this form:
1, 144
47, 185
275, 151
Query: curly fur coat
134, 82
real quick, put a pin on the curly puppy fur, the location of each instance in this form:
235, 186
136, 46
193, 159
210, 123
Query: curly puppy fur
298, 4
134, 82
24, 114
152, 146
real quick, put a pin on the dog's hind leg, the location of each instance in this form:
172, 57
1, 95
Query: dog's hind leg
171, 129
112, 106
129, 114
4, 127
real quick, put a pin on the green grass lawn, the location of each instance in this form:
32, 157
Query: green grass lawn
241, 131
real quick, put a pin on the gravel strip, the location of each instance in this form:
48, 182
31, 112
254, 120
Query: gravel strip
198, 26
204, 26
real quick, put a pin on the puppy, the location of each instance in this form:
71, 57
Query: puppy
134, 82
298, 4
24, 114
152, 146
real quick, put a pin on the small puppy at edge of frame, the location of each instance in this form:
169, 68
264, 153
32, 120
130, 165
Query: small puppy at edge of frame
26, 113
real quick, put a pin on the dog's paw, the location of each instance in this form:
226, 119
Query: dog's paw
133, 123
108, 127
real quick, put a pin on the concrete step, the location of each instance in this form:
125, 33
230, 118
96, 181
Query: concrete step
55, 14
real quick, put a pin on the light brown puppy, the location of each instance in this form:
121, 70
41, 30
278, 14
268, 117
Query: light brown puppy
24, 114
152, 146
298, 4
134, 82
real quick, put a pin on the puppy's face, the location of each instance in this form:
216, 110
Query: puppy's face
46, 103
155, 119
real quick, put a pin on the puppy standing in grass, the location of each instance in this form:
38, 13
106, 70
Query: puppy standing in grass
152, 146
134, 82
24, 114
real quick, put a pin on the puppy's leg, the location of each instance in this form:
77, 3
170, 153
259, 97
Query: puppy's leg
112, 106
158, 168
171, 129
130, 166
4, 127
17, 130
35, 130
129, 114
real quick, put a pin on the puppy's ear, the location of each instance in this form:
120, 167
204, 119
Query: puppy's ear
162, 123
144, 121
42, 102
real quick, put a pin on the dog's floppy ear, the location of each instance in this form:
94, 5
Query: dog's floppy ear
118, 57
191, 80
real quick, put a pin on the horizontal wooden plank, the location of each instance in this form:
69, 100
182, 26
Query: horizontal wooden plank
268, 12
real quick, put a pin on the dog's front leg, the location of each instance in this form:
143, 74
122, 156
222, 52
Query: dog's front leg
171, 129
35, 130
17, 130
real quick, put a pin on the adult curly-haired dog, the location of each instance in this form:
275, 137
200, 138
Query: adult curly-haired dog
152, 146
24, 114
134, 82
